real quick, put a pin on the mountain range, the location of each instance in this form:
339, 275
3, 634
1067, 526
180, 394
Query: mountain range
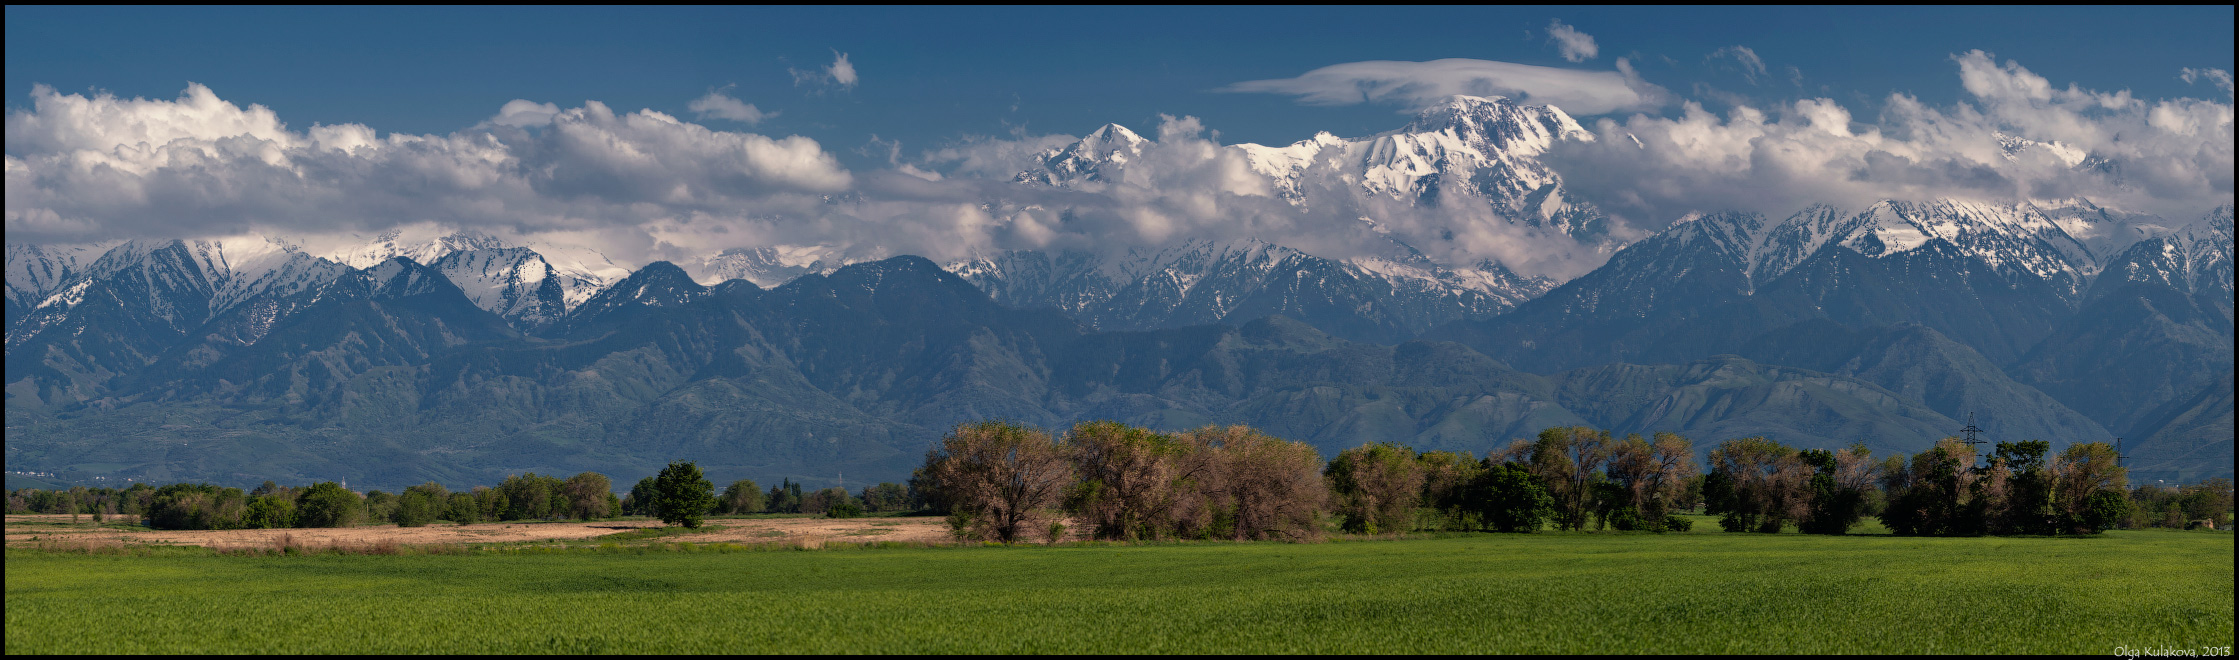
459, 357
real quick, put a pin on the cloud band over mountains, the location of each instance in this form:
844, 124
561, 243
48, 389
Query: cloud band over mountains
647, 185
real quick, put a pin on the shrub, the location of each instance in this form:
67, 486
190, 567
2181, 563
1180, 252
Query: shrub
822, 501
462, 509
844, 510
743, 496
420, 505
327, 504
1508, 498
886, 496
269, 512
196, 506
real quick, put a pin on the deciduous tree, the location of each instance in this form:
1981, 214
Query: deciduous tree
681, 494
1376, 487
1001, 479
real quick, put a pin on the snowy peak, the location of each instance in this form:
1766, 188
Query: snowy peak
2011, 239
514, 283
659, 284
2195, 258
401, 277
530, 286
1500, 125
38, 271
2015, 148
421, 245
2065, 246
1094, 158
768, 266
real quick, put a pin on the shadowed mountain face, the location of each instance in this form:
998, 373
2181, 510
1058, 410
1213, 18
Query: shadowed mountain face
2004, 317
237, 362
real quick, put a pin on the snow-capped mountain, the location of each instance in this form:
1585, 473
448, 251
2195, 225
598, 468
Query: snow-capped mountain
1200, 282
2194, 259
530, 286
2065, 246
183, 283
1478, 156
1094, 158
1468, 150
767, 266
38, 271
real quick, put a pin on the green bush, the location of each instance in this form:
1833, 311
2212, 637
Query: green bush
196, 506
844, 510
1510, 499
463, 509
269, 512
327, 504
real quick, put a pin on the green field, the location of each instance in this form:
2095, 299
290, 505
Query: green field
1549, 592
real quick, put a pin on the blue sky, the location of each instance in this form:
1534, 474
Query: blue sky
931, 75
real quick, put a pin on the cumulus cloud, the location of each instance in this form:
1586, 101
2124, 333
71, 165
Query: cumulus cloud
718, 106
644, 185
88, 168
1576, 46
2172, 157
1419, 83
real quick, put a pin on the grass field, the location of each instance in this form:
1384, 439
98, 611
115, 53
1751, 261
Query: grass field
1548, 592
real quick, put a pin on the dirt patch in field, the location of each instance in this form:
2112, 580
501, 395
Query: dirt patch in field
808, 531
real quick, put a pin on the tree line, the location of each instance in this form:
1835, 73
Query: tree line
1007, 482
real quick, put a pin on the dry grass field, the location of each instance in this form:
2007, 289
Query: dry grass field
27, 529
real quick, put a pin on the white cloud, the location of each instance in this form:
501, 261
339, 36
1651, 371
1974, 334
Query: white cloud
840, 73
89, 168
644, 185
523, 112
1752, 67
2172, 157
1419, 83
1576, 46
2217, 77
716, 105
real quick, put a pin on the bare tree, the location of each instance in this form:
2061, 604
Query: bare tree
1767, 484
1000, 479
1650, 478
1268, 487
